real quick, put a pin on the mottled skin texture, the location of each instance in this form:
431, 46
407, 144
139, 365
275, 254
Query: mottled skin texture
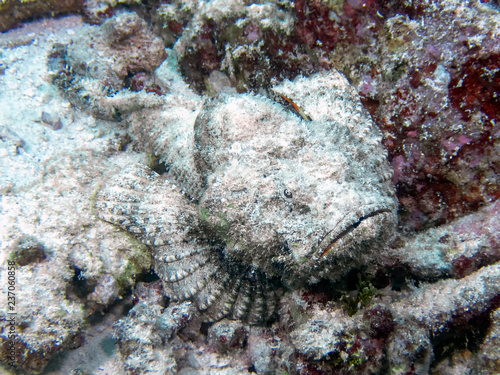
282, 200
286, 187
283, 187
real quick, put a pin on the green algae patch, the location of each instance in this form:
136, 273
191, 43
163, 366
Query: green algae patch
27, 251
138, 262
365, 291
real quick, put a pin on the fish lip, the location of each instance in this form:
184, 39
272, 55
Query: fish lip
328, 241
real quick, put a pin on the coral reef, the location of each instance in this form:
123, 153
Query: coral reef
141, 334
121, 53
71, 267
98, 11
12, 12
127, 39
455, 249
413, 322
251, 44
427, 72
67, 252
26, 251
490, 357
268, 218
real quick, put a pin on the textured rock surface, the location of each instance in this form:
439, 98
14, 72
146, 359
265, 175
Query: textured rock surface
127, 40
251, 43
141, 335
432, 311
98, 11
425, 303
456, 249
12, 12
490, 358
84, 277
71, 265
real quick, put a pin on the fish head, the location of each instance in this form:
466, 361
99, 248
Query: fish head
291, 197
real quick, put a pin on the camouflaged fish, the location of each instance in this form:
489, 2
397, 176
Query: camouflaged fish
275, 199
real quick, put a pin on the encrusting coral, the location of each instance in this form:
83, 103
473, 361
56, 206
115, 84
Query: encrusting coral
259, 202
256, 211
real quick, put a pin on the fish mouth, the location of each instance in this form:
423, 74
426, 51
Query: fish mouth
337, 234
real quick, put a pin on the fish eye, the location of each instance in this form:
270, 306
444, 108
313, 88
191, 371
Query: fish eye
287, 193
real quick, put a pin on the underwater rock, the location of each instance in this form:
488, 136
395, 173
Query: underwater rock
143, 332
54, 282
121, 47
488, 357
102, 60
458, 249
44, 323
277, 199
27, 250
95, 12
410, 350
51, 121
420, 321
149, 293
105, 293
324, 25
251, 43
227, 335
169, 19
10, 142
12, 12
